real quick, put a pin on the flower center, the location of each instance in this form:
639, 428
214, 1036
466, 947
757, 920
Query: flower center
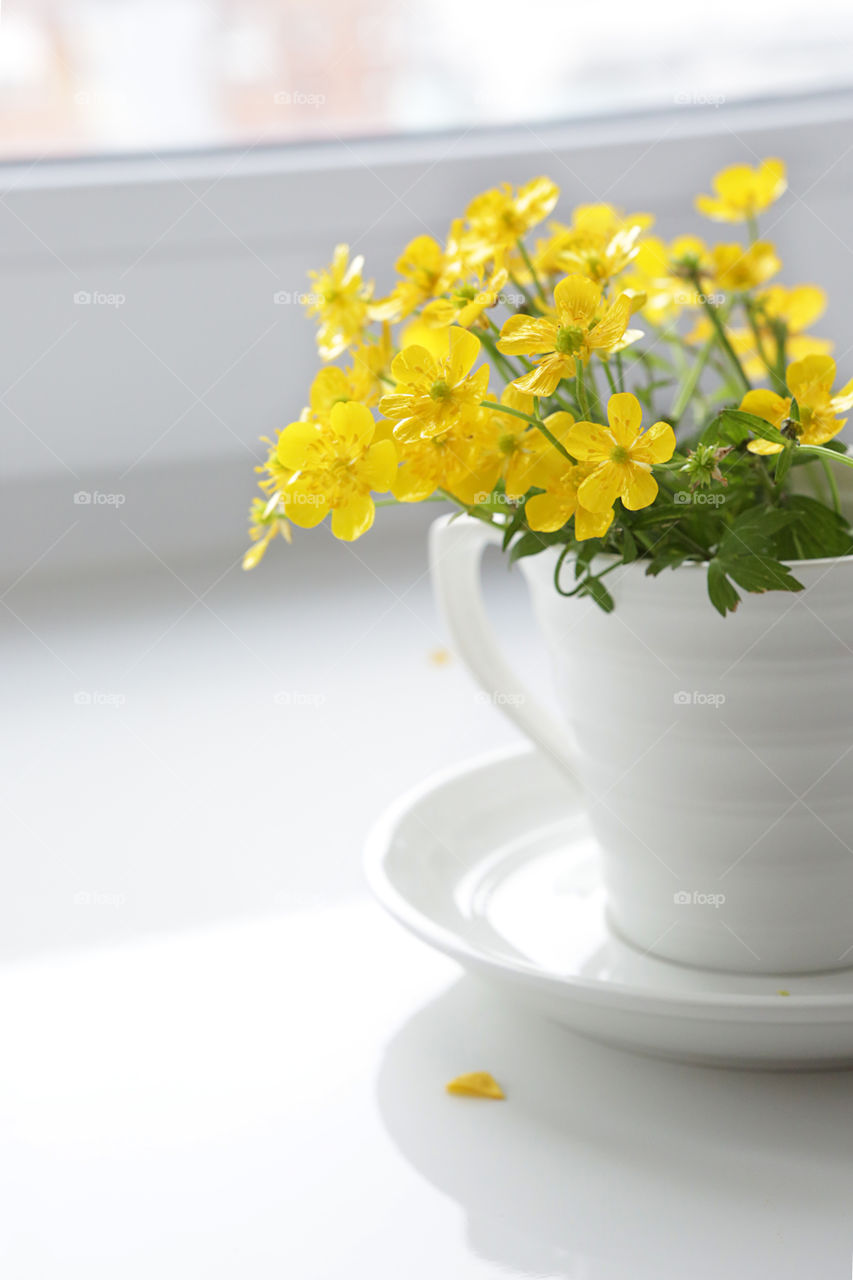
569, 340
620, 454
467, 292
506, 444
439, 389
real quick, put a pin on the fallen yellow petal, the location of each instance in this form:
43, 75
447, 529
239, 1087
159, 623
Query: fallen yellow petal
476, 1084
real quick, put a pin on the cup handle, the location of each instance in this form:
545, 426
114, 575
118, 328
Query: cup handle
456, 546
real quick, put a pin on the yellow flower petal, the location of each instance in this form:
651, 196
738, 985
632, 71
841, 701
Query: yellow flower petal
612, 326
547, 512
355, 518
476, 1084
590, 442
811, 375
464, 349
625, 415
352, 423
526, 336
576, 299
641, 488
592, 524
298, 445
600, 490
544, 379
414, 366
657, 444
379, 466
306, 510
767, 405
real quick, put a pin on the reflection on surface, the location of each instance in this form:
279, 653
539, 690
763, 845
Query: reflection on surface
602, 1165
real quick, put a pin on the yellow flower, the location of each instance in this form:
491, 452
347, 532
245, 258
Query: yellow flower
798, 307
466, 302
737, 268
581, 324
339, 297
741, 192
506, 447
266, 520
654, 273
500, 217
434, 393
335, 468
549, 511
371, 368
581, 252
810, 382
422, 267
450, 461
622, 455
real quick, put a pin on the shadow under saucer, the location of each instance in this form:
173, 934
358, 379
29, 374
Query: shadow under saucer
603, 1164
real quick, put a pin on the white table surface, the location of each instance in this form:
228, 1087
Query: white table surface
220, 1059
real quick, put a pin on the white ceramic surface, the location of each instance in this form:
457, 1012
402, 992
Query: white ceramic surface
494, 864
716, 754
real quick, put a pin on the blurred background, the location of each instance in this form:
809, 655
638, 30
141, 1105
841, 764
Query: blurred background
82, 77
173, 727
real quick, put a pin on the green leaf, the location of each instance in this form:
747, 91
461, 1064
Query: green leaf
724, 597
783, 463
669, 558
630, 550
595, 587
754, 531
820, 531
531, 543
761, 573
733, 426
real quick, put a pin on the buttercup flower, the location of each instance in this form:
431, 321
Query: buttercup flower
656, 274
737, 268
422, 267
339, 297
466, 302
334, 468
810, 382
509, 448
435, 393
741, 192
582, 324
561, 480
500, 217
622, 455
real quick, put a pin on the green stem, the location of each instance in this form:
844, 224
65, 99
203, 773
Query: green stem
536, 422
521, 289
691, 382
581, 389
530, 267
722, 336
833, 485
594, 397
620, 372
818, 451
752, 227
610, 380
760, 348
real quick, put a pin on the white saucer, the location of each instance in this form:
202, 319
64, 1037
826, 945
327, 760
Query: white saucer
492, 863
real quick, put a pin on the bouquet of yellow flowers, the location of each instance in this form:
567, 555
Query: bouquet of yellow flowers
595, 325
